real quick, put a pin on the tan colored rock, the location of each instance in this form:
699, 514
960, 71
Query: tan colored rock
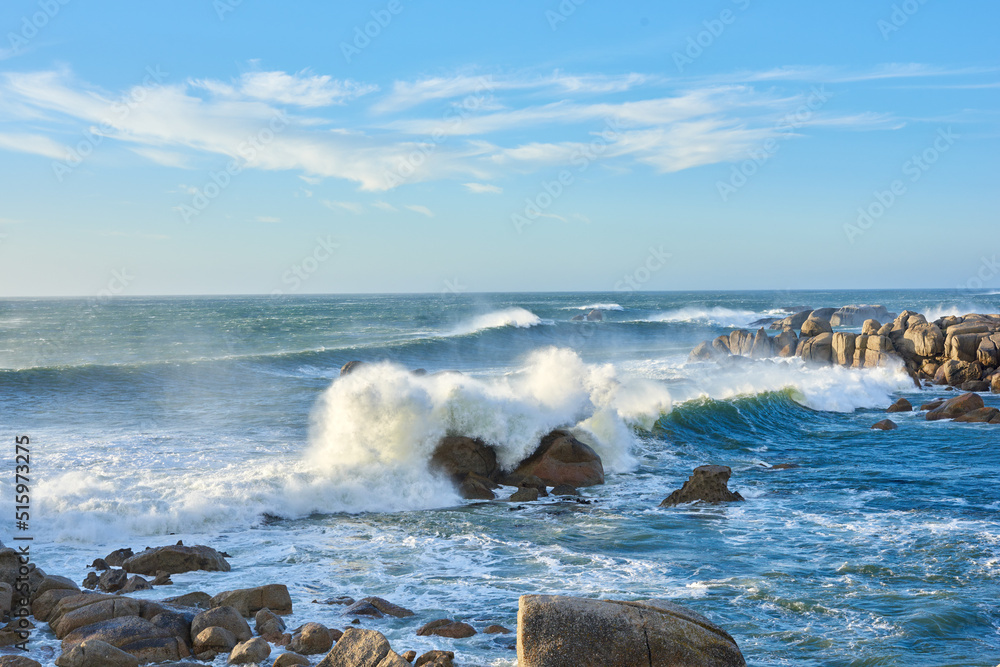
956, 407
95, 653
290, 660
175, 559
311, 639
562, 459
223, 617
436, 659
740, 342
251, 651
445, 627
980, 416
248, 601
902, 405
706, 484
923, 340
818, 349
815, 326
988, 353
962, 347
870, 327
721, 346
215, 639
45, 603
995, 384
18, 661
94, 613
362, 648
957, 373
557, 631
268, 624
763, 346
842, 346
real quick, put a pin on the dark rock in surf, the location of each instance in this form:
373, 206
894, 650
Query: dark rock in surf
885, 425
476, 487
902, 405
457, 456
596, 315
445, 627
525, 494
707, 484
248, 601
562, 459
975, 385
981, 416
578, 318
350, 367
956, 407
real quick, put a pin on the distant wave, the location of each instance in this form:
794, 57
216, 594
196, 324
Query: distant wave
508, 317
725, 317
945, 309
597, 306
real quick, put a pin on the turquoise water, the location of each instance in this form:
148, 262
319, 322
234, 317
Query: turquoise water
222, 421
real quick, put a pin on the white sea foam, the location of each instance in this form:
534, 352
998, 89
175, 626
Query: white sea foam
598, 306
944, 309
508, 317
726, 317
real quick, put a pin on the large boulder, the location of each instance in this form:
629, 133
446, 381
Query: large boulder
596, 315
362, 648
981, 416
248, 601
988, 353
311, 639
95, 653
870, 327
957, 373
793, 322
215, 640
963, 347
708, 484
142, 638
94, 613
785, 343
175, 559
558, 631
956, 407
818, 349
225, 617
921, 340
456, 456
18, 661
704, 351
740, 342
562, 459
721, 346
843, 348
763, 346
252, 651
853, 316
814, 326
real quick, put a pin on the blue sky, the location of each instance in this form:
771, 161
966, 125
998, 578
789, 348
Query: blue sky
198, 147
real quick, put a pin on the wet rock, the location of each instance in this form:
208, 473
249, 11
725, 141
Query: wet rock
557, 631
95, 653
268, 625
902, 405
956, 407
223, 617
930, 405
134, 635
525, 494
975, 385
562, 459
290, 660
43, 605
496, 630
565, 490
112, 581
214, 639
444, 627
596, 315
53, 582
457, 456
248, 601
135, 583
981, 416
175, 559
358, 648
311, 639
118, 557
708, 484
388, 608
363, 608
885, 425
18, 661
161, 579
476, 487
100, 564
250, 652
350, 367
197, 599
436, 659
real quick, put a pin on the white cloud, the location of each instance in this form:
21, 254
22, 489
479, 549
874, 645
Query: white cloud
301, 89
165, 158
36, 144
483, 188
385, 206
353, 207
422, 210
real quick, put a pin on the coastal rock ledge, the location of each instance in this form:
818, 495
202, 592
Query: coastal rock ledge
559, 631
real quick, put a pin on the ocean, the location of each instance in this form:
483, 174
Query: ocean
223, 421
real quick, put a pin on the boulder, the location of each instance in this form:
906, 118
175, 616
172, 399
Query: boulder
268, 624
870, 327
248, 601
214, 639
95, 653
197, 599
818, 349
101, 610
445, 627
562, 459
721, 346
496, 630
707, 483
45, 603
988, 353
135, 583
290, 660
311, 639
981, 415
362, 648
793, 322
843, 348
815, 326
956, 373
704, 351
115, 559
350, 367
763, 346
363, 608
456, 456
251, 651
18, 661
785, 339
222, 617
596, 315
964, 328
53, 582
558, 631
885, 425
995, 384
963, 347
902, 405
525, 494
956, 407
132, 634
853, 316
975, 385
436, 659
740, 342
175, 559
476, 487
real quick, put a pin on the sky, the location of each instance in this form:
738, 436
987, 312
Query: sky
253, 147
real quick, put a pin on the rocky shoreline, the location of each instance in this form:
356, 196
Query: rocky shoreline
960, 352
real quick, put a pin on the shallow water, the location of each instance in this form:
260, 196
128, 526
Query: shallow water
220, 421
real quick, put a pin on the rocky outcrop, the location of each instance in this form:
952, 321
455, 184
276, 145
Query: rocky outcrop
248, 601
902, 405
814, 326
817, 350
793, 322
708, 484
956, 407
843, 348
175, 559
854, 316
981, 416
456, 456
558, 631
350, 367
95, 653
562, 459
222, 617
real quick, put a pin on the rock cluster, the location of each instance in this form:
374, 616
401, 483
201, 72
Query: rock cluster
958, 351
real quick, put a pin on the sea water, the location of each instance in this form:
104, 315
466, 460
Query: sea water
223, 421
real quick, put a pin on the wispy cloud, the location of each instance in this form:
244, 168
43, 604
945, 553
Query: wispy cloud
422, 210
354, 207
483, 188
385, 206
300, 89
36, 144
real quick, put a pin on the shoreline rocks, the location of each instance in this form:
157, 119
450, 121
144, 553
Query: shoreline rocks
707, 484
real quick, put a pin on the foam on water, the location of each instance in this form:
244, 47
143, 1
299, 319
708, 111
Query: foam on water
598, 306
508, 317
724, 317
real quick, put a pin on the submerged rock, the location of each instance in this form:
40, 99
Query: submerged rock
558, 631
956, 407
885, 425
708, 484
445, 627
596, 315
981, 416
350, 367
902, 405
